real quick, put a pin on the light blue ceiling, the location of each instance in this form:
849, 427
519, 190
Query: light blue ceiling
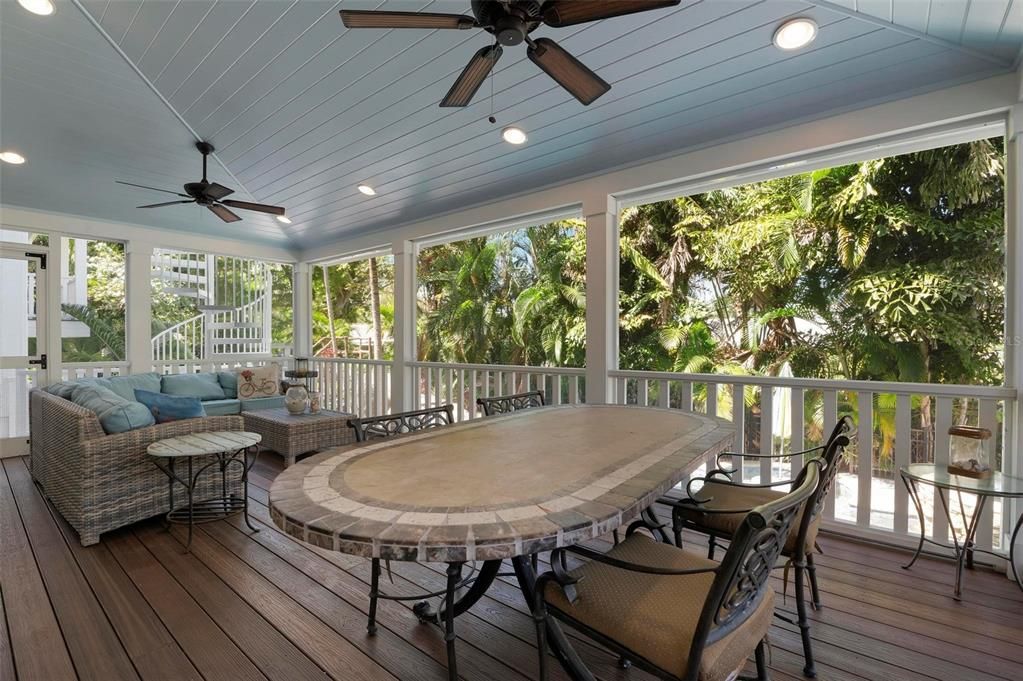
302, 110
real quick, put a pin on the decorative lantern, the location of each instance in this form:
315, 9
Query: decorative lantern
301, 369
968, 455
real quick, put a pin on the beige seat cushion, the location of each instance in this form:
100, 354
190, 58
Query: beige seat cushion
724, 496
655, 616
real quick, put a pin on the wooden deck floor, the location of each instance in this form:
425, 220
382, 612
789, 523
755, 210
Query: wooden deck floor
262, 607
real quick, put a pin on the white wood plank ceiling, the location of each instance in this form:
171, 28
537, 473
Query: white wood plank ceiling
302, 110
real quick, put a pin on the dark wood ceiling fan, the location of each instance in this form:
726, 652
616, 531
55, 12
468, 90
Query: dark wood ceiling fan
511, 22
209, 194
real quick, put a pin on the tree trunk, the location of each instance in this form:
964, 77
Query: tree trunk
374, 306
330, 311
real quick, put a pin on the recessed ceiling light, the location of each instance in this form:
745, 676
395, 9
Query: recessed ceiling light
284, 218
367, 190
41, 7
513, 135
12, 157
795, 33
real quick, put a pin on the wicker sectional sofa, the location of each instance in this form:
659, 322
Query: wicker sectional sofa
101, 482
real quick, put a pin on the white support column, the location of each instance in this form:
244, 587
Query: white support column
1013, 462
302, 311
138, 288
403, 392
601, 297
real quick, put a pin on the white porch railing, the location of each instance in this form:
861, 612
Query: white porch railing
75, 370
774, 415
461, 384
869, 498
225, 363
361, 386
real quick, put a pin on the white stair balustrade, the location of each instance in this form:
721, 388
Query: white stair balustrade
232, 301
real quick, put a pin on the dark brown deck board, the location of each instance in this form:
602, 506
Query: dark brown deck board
241, 602
210, 649
37, 648
95, 649
152, 649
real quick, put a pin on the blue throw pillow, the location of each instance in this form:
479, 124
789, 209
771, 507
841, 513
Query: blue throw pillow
203, 386
116, 414
171, 407
229, 382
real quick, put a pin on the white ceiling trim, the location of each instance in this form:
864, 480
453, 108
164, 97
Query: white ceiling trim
905, 30
198, 138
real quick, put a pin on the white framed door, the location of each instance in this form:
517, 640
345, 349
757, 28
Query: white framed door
23, 335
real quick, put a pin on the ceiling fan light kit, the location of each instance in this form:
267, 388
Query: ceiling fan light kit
511, 22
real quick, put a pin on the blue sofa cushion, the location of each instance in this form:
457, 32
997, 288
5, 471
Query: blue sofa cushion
125, 386
116, 414
203, 386
170, 407
229, 382
65, 388
257, 403
222, 407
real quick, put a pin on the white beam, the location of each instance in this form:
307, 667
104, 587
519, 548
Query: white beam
302, 311
138, 289
64, 224
601, 297
1013, 459
403, 392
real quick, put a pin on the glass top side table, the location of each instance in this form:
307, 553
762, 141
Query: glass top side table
998, 485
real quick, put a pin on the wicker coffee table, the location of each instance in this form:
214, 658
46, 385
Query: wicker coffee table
293, 434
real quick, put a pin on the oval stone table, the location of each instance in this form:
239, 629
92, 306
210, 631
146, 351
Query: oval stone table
499, 488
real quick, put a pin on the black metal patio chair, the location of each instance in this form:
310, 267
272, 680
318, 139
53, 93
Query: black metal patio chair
391, 425
671, 612
717, 510
504, 404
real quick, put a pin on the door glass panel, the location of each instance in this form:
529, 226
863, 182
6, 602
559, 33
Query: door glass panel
18, 306
14, 387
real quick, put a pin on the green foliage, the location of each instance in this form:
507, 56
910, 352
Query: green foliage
512, 298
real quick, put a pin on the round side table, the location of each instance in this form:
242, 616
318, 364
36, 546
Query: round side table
227, 448
943, 482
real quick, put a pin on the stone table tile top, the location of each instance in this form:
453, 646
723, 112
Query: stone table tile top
198, 444
496, 487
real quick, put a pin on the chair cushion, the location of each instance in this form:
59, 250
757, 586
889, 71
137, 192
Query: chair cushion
724, 496
655, 616
115, 414
125, 385
229, 382
167, 408
222, 407
203, 386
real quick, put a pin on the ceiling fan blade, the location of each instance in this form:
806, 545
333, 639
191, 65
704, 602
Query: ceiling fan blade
142, 186
223, 213
475, 72
168, 203
560, 13
259, 207
569, 72
217, 191
371, 19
